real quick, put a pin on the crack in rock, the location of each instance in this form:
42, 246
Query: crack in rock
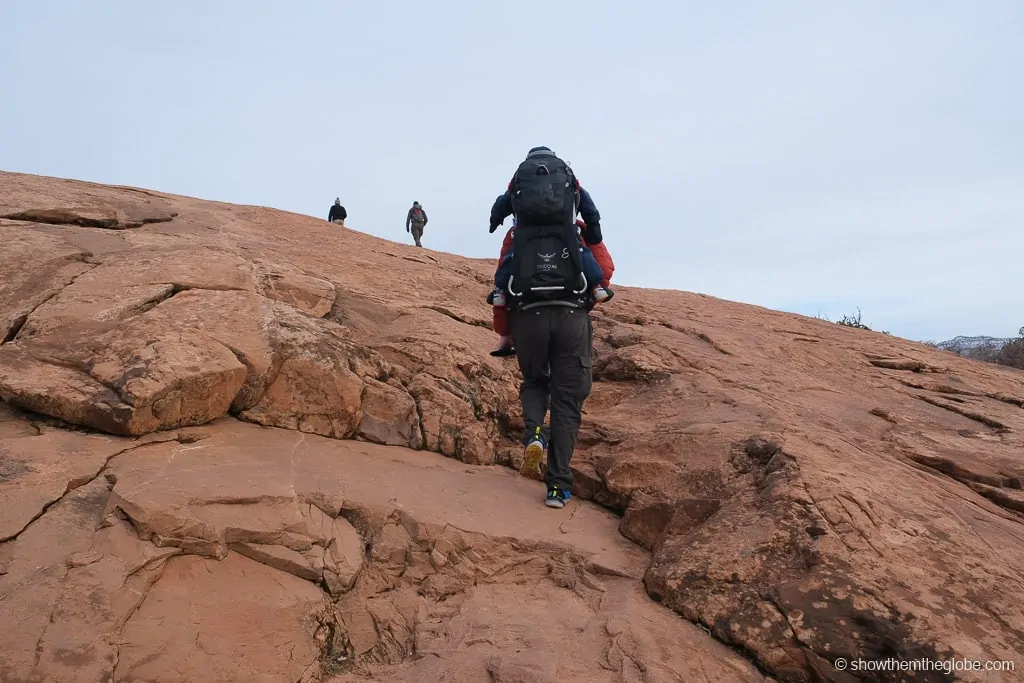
907, 365
80, 482
977, 417
15, 328
98, 219
22, 320
457, 318
953, 391
159, 566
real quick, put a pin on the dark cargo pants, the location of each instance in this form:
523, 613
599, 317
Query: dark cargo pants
417, 232
554, 347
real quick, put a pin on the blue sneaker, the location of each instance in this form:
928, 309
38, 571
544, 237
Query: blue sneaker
557, 498
534, 454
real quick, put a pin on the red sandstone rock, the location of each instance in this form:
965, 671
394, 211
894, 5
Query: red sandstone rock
796, 490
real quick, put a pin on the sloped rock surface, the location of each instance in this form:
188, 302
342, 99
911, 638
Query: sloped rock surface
36, 267
214, 638
131, 283
844, 509
68, 588
127, 379
307, 293
166, 313
489, 611
68, 202
111, 218
240, 553
35, 472
804, 491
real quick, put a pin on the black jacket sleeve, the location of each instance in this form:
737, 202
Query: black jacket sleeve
592, 217
501, 210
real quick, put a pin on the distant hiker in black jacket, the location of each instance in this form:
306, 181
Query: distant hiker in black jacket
338, 213
415, 221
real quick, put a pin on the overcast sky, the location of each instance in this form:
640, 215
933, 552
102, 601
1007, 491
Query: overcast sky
807, 156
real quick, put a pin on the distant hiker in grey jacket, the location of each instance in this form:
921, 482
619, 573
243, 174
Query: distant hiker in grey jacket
415, 221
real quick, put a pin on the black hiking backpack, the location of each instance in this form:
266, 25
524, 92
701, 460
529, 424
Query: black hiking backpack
547, 267
544, 191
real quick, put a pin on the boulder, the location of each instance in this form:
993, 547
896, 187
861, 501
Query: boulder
131, 379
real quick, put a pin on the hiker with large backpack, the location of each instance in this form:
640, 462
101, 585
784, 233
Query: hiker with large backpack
415, 221
549, 297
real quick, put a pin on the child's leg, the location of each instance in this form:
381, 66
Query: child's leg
503, 272
500, 314
500, 321
604, 259
591, 269
501, 277
501, 326
595, 276
504, 269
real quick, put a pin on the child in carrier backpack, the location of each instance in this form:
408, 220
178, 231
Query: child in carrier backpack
594, 272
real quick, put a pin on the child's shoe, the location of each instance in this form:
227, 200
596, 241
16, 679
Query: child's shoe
505, 347
496, 298
602, 294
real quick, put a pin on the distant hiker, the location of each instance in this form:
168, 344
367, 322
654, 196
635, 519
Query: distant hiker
549, 297
597, 266
338, 213
415, 221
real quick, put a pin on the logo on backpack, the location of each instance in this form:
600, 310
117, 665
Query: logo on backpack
547, 265
545, 268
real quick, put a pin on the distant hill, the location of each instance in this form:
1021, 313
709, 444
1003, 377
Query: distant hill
1009, 352
964, 345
